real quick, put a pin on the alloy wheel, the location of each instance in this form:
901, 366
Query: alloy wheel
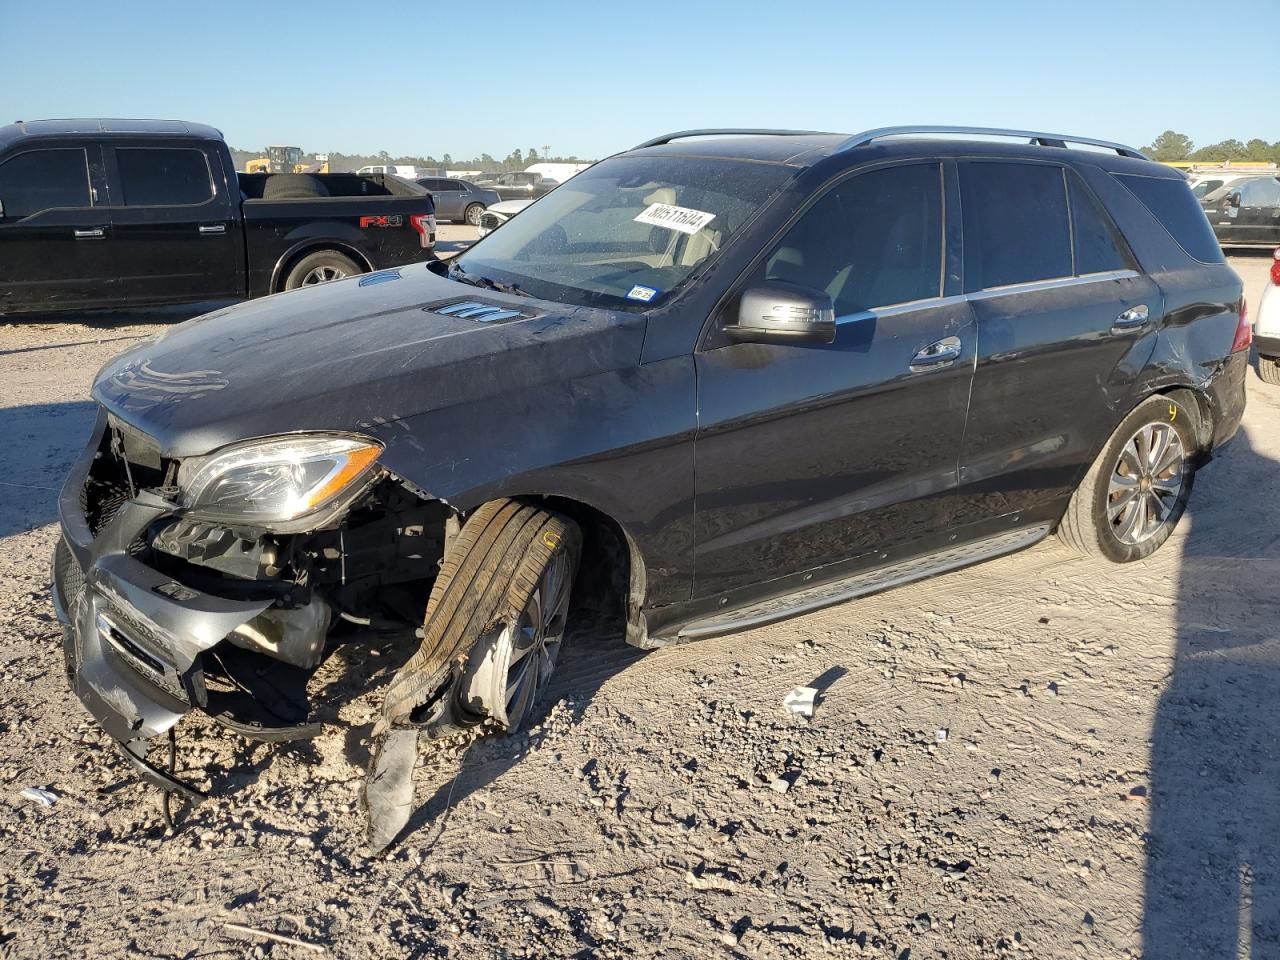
1145, 483
322, 274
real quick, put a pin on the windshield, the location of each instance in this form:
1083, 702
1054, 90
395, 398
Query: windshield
628, 231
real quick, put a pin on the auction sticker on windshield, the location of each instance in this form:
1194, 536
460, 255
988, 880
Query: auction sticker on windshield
684, 219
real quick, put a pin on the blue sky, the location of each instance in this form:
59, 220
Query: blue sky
592, 78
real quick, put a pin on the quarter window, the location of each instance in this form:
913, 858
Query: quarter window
871, 241
1173, 204
1015, 224
1099, 246
153, 176
43, 180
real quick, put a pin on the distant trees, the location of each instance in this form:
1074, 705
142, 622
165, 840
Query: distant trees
1174, 146
338, 162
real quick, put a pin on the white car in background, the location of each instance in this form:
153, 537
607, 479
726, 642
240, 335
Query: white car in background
499, 213
1266, 326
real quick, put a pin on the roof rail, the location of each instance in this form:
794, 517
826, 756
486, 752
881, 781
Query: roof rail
727, 131
1041, 139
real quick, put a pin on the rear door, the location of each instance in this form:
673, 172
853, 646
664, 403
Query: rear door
176, 224
1065, 322
813, 454
56, 249
449, 197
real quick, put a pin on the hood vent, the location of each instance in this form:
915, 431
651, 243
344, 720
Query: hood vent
480, 311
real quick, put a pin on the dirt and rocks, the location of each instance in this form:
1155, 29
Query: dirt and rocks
1037, 757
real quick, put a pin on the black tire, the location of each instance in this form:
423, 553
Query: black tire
473, 213
1089, 525
320, 267
1269, 370
293, 186
487, 581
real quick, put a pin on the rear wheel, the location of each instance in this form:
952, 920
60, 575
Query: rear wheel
1136, 491
473, 213
320, 267
1269, 370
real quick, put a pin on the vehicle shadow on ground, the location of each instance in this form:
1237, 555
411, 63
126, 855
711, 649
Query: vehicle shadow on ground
593, 653
1213, 862
38, 445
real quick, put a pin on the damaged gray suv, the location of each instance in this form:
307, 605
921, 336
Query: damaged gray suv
709, 383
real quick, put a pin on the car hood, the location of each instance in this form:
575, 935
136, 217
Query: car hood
353, 355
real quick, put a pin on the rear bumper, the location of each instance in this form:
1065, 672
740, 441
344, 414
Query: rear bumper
1226, 395
1267, 346
132, 637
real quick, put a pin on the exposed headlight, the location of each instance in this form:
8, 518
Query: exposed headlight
280, 478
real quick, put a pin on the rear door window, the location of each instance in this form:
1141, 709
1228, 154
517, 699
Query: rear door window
872, 241
1016, 223
1099, 247
44, 180
1173, 204
163, 176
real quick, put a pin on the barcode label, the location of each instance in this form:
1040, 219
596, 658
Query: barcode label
683, 219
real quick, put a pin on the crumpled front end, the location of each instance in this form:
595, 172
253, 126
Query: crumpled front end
163, 612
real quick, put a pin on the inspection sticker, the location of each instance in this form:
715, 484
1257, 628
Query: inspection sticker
643, 294
684, 219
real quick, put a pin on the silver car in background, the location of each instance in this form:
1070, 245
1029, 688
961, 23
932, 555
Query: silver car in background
460, 201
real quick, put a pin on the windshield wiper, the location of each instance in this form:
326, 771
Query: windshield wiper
457, 273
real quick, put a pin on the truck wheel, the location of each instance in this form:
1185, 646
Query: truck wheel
473, 213
494, 623
320, 267
1136, 491
1269, 370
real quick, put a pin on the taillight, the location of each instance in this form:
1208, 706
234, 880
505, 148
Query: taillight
1275, 267
1244, 332
425, 224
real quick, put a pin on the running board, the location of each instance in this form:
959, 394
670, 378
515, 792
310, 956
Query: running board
863, 584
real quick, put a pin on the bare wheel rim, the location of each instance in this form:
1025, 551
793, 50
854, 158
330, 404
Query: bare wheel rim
473, 214
516, 661
322, 274
1145, 483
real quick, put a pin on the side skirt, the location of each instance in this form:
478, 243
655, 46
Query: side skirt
860, 584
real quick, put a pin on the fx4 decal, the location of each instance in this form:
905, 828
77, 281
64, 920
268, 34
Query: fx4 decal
389, 220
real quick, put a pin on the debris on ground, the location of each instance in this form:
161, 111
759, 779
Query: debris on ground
46, 798
799, 701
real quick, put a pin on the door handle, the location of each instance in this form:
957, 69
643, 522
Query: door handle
937, 354
92, 233
209, 229
1133, 317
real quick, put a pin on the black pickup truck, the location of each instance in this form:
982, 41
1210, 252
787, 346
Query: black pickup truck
115, 213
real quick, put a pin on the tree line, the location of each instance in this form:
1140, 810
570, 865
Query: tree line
343, 162
1172, 146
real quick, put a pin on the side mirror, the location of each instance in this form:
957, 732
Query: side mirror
779, 312
1234, 199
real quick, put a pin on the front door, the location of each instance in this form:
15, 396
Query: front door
1063, 329
56, 250
808, 455
177, 233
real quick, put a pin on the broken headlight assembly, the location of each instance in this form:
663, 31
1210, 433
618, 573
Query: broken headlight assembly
278, 479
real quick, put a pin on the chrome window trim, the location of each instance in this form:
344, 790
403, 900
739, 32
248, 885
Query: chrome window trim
991, 293
1032, 286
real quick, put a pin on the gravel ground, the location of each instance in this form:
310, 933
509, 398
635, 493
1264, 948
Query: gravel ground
1037, 757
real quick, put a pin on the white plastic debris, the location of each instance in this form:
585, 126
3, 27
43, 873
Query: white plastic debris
800, 701
941, 735
40, 795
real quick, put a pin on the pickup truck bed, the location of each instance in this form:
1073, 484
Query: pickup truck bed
107, 213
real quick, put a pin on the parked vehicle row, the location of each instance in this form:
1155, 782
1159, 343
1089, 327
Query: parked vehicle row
459, 200
109, 213
719, 382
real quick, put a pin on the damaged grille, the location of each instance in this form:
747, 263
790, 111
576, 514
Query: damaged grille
129, 640
126, 461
